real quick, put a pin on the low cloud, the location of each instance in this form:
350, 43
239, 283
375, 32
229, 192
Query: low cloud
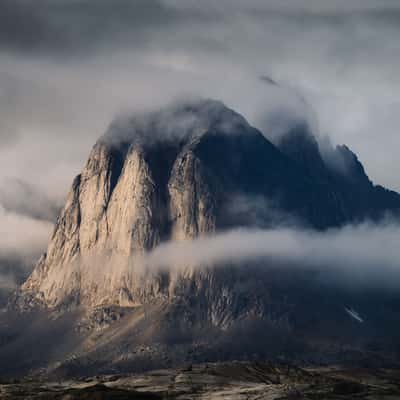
22, 240
22, 235
23, 198
362, 254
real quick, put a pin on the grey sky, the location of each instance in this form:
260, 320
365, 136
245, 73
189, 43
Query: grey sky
68, 67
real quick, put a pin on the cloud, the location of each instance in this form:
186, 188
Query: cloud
22, 235
22, 240
25, 199
182, 119
69, 67
66, 27
364, 254
26, 220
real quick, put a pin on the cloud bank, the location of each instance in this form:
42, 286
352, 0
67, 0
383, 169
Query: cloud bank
364, 254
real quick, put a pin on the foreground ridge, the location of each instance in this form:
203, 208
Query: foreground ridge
234, 380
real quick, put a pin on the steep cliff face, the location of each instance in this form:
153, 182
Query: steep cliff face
129, 197
115, 211
173, 175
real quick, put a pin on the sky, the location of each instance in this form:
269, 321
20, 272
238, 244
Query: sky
68, 67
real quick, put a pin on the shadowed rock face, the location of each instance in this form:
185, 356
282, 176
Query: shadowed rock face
341, 174
171, 175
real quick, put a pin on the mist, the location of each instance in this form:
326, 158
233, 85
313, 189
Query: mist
23, 239
28, 200
180, 119
355, 255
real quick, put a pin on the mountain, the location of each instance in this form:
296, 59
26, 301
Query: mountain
174, 175
342, 174
186, 171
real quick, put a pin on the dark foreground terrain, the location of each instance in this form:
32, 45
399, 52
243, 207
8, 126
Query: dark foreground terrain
233, 380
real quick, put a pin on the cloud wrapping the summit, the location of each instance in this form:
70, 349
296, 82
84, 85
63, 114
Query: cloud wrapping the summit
181, 119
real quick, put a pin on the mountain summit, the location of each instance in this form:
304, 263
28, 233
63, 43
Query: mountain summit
177, 174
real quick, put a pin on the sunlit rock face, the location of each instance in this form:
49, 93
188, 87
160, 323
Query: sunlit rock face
175, 175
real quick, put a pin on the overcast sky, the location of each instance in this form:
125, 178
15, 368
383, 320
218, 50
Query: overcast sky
68, 67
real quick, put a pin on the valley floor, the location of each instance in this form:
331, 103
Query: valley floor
230, 380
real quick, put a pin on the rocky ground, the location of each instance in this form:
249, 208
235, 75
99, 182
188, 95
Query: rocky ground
233, 380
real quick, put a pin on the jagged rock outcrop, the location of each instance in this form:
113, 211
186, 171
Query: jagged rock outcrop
173, 175
342, 174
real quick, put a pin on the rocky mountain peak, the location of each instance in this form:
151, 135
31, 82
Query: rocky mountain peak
177, 174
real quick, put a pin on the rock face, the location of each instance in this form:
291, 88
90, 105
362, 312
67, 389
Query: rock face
174, 175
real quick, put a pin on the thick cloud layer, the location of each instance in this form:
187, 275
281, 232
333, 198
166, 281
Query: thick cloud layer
69, 67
